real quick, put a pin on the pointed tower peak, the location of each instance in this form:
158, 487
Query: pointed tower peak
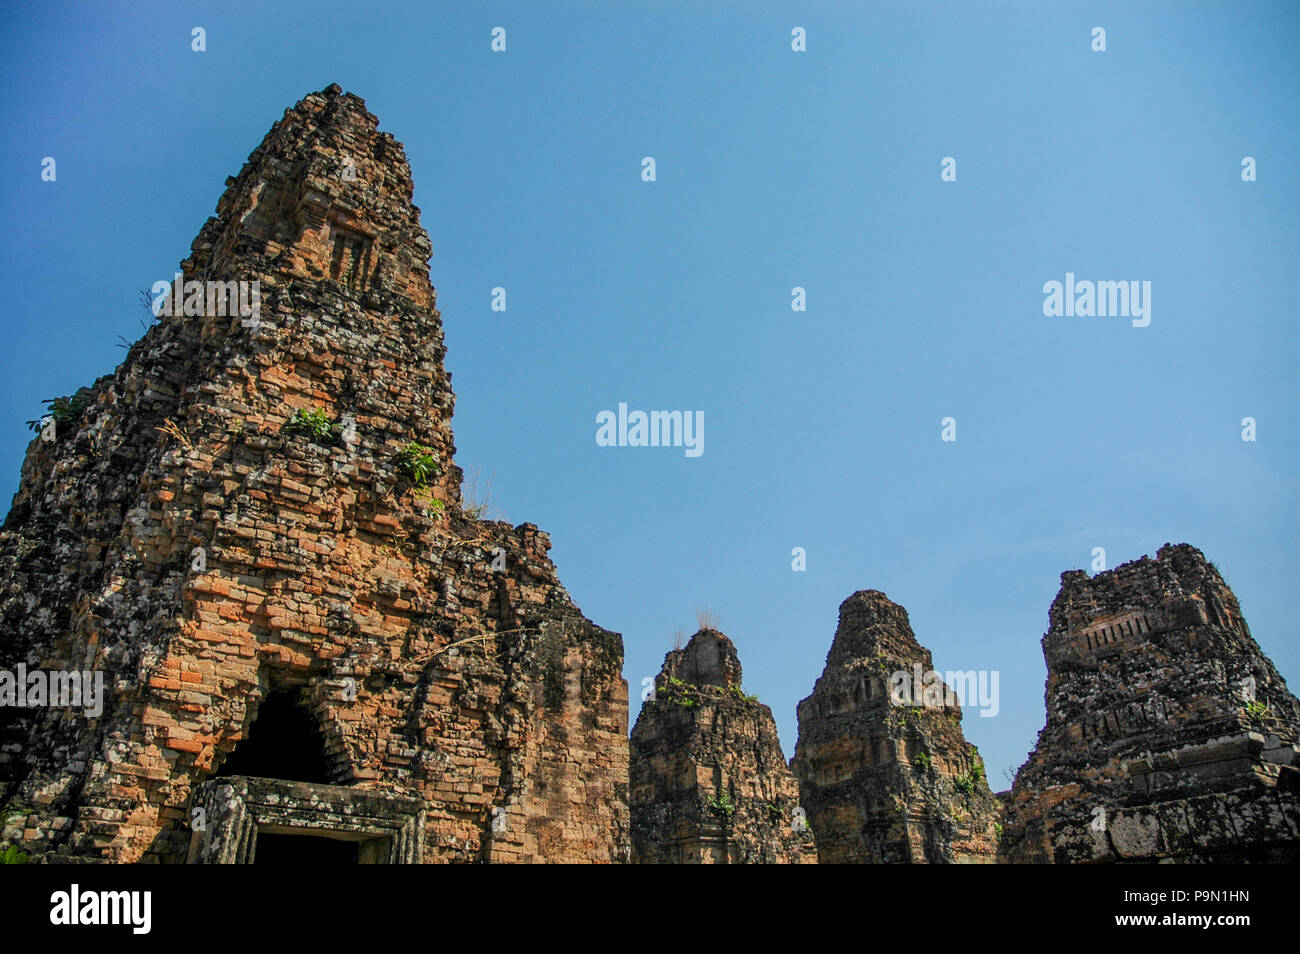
872, 624
319, 233
325, 197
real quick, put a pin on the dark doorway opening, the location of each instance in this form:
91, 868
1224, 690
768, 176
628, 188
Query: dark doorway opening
305, 850
283, 742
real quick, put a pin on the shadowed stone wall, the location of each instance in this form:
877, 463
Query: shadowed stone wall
709, 782
883, 782
1169, 735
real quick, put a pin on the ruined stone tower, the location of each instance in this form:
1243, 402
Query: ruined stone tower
708, 781
881, 781
1169, 735
300, 628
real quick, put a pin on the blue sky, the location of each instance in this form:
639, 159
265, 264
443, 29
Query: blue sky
775, 169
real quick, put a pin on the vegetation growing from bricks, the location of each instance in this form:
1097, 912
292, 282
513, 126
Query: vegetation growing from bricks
741, 694
1257, 711
679, 692
64, 410
12, 856
416, 462
722, 804
898, 718
315, 425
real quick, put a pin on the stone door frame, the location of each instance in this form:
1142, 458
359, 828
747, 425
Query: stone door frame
229, 813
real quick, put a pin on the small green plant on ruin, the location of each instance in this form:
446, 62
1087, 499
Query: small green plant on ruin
315, 425
977, 773
741, 694
64, 411
678, 692
722, 804
998, 830
12, 856
964, 783
1257, 711
922, 760
16, 806
774, 809
416, 462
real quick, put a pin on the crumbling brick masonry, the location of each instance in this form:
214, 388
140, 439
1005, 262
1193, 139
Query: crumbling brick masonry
207, 550
1170, 736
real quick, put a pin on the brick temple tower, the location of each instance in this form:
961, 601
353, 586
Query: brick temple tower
887, 776
1170, 736
253, 530
709, 784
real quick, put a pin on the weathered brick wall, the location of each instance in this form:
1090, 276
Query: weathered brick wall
1169, 735
709, 784
322, 567
882, 782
